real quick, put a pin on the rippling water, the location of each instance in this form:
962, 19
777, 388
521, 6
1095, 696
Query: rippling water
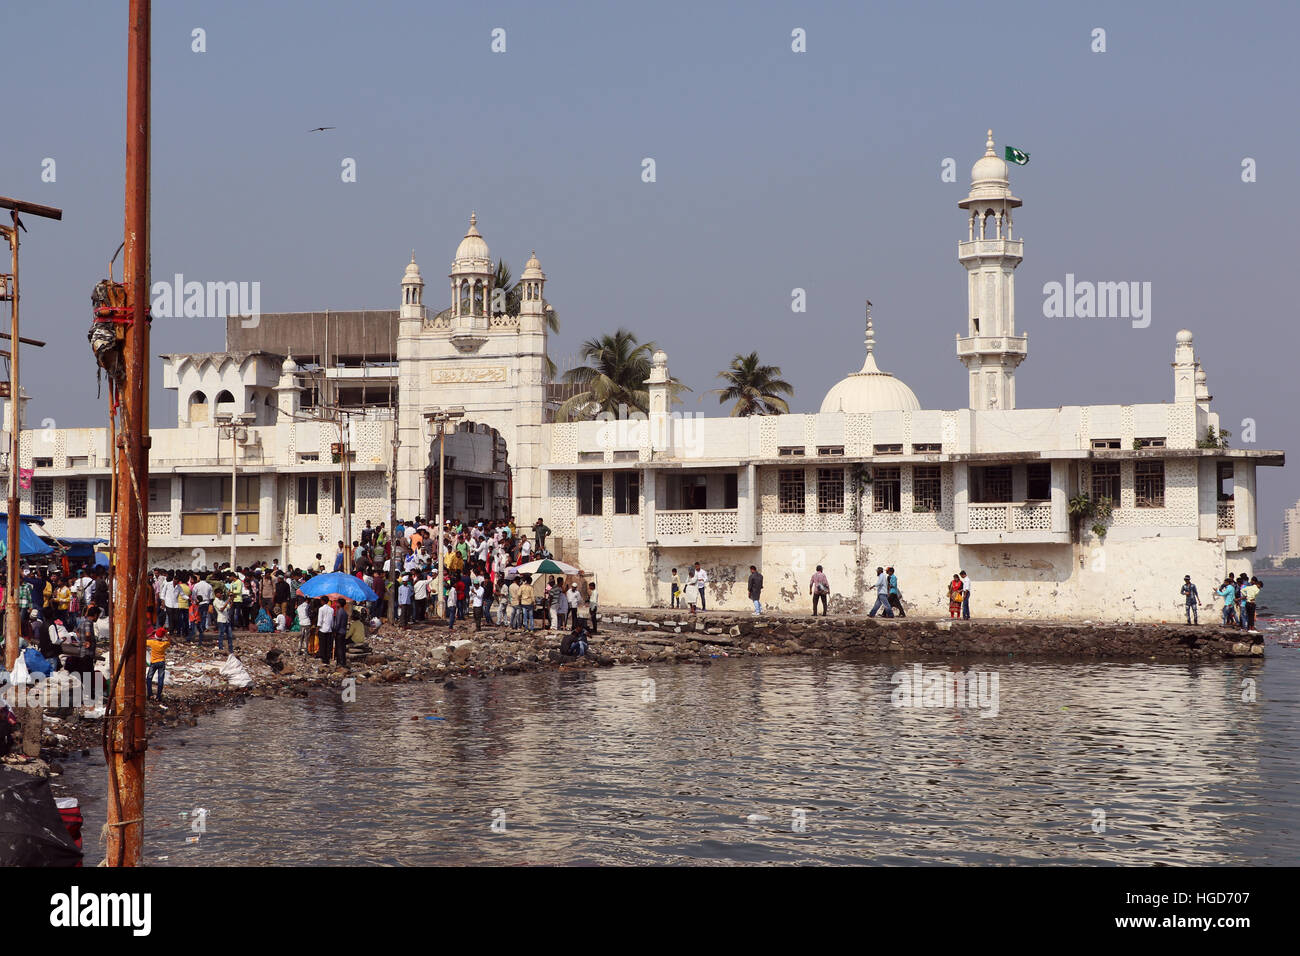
584, 768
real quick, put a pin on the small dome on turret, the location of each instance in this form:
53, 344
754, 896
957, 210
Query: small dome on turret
412, 273
472, 254
1184, 337
533, 268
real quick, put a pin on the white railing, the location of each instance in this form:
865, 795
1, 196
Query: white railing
1009, 516
1227, 516
697, 524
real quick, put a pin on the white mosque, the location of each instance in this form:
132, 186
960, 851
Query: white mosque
871, 479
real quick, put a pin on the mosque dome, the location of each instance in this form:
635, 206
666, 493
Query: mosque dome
870, 390
412, 273
533, 268
472, 254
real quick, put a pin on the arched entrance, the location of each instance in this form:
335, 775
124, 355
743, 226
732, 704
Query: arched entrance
477, 467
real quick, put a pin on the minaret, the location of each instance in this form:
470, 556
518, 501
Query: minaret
472, 276
412, 292
990, 349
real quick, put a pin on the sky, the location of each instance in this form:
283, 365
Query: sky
775, 170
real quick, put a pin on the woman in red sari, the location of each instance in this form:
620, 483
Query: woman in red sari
954, 596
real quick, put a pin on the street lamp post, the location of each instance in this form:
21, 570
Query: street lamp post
440, 417
235, 428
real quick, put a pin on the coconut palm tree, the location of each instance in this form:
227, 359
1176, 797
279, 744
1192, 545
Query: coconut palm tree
613, 377
756, 389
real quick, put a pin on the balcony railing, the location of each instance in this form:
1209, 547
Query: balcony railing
697, 524
1227, 516
1009, 516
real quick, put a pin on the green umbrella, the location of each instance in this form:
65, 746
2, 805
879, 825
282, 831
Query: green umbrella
547, 566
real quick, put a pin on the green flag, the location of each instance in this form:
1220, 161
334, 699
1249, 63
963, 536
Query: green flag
1016, 156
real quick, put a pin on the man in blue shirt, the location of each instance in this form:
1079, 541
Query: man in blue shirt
1229, 594
882, 594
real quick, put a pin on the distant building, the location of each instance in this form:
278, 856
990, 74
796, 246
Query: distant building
872, 478
1290, 533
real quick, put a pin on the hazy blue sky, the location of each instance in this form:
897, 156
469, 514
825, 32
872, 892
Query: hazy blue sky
775, 170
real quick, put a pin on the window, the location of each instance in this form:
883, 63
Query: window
1151, 443
830, 490
43, 497
626, 456
591, 456
730, 491
830, 449
305, 456
474, 494
308, 490
1103, 443
887, 489
789, 491
589, 494
78, 461
1149, 483
1105, 481
927, 488
627, 493
1226, 482
693, 491
77, 497
160, 496
927, 448
1038, 481
103, 495
889, 449
338, 495
42, 462
790, 451
991, 484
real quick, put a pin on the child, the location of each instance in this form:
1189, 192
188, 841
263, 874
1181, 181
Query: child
677, 590
158, 645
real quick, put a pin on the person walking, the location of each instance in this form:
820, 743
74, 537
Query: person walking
819, 586
965, 596
701, 579
158, 645
882, 594
756, 588
895, 595
1190, 600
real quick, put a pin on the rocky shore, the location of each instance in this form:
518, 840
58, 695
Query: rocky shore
429, 652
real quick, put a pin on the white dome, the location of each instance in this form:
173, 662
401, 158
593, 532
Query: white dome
870, 390
533, 268
1185, 337
472, 254
412, 273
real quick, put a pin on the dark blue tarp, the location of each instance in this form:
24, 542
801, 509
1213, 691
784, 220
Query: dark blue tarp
81, 548
29, 542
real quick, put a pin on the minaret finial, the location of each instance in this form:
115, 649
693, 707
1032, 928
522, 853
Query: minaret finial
412, 255
871, 332
473, 219
989, 149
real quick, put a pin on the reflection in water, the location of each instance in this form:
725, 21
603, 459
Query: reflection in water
663, 765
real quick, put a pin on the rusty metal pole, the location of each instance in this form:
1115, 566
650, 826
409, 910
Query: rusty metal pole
126, 734
12, 583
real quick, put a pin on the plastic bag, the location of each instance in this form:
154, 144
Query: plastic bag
235, 673
20, 676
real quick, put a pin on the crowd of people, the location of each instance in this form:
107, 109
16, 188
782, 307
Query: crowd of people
1239, 596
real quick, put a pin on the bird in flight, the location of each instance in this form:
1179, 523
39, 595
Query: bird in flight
320, 128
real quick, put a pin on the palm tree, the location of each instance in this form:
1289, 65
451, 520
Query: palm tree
613, 378
756, 389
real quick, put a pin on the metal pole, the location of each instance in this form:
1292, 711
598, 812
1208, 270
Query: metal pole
392, 525
12, 624
347, 495
442, 497
125, 739
234, 495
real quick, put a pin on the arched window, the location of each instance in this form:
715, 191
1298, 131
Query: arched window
478, 298
198, 408
464, 297
225, 403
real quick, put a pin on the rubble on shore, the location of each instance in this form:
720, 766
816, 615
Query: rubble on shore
431, 652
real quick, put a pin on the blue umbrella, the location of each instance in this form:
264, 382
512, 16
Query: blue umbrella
338, 584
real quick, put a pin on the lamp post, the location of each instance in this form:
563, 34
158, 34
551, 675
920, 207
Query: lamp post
440, 417
234, 427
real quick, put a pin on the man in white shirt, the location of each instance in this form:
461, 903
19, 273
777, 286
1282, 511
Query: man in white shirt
701, 579
525, 550
325, 630
965, 596
421, 595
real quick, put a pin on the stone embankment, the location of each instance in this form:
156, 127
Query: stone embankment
432, 652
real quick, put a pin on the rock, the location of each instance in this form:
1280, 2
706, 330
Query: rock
461, 651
